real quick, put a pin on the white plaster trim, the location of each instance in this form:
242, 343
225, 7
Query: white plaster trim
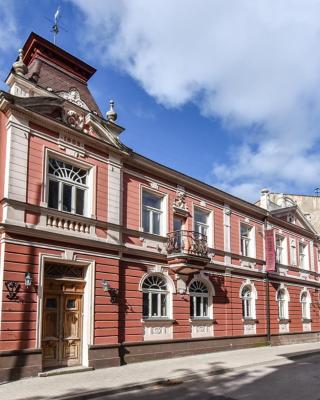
59, 248
51, 139
164, 209
88, 301
88, 203
163, 274
210, 212
7, 167
2, 253
211, 292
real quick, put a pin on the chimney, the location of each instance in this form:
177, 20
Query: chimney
264, 199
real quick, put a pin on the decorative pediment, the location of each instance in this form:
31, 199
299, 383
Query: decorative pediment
74, 97
106, 131
295, 216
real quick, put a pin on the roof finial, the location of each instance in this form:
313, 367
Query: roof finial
19, 66
111, 114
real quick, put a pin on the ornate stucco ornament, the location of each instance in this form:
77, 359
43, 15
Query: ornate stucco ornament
179, 203
74, 97
19, 66
75, 120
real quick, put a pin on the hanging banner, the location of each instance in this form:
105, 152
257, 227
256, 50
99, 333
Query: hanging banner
270, 251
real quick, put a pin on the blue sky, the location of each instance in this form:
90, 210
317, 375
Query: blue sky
226, 91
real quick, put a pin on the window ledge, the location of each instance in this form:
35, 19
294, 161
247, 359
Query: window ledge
201, 320
284, 320
158, 320
306, 320
249, 321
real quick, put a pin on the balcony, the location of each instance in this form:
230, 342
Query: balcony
189, 248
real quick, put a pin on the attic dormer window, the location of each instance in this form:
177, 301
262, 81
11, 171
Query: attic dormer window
68, 187
291, 219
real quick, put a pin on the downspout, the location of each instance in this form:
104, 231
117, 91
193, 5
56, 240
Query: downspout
267, 298
268, 309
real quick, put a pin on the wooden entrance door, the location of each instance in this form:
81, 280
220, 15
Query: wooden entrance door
62, 324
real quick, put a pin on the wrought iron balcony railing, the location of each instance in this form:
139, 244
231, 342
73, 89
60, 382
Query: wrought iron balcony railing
187, 242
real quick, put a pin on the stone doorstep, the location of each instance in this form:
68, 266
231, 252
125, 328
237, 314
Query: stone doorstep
65, 370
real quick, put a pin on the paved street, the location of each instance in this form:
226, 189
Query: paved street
287, 372
295, 381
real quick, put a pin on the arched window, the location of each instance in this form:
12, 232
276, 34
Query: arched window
155, 297
67, 187
305, 304
282, 304
199, 300
247, 302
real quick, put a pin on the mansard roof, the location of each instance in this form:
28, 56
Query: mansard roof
50, 67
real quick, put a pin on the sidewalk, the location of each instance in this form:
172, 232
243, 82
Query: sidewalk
86, 385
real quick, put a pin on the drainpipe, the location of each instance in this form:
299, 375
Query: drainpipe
268, 309
267, 297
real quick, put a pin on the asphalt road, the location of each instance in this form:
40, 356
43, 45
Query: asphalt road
296, 381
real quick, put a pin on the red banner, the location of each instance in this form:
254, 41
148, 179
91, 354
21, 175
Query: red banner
270, 251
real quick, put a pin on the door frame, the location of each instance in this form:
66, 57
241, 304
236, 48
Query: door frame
87, 303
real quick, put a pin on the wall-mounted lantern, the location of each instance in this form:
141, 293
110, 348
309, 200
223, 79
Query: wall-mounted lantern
112, 291
27, 279
105, 285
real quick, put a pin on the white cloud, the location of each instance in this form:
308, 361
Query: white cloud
252, 64
8, 35
8, 26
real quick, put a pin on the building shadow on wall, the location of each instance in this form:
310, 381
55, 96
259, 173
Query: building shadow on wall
25, 332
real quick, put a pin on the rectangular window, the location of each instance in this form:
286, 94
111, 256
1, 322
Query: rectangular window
53, 201
67, 187
246, 240
67, 198
293, 252
303, 257
151, 213
201, 222
280, 249
178, 234
199, 306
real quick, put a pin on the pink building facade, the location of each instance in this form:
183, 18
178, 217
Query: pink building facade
107, 257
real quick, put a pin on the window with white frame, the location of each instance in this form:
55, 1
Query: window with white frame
155, 297
67, 187
303, 256
248, 305
201, 222
282, 300
280, 249
247, 242
152, 214
293, 252
199, 300
305, 305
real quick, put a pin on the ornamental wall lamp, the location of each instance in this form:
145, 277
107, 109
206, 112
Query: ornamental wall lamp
27, 279
13, 288
112, 291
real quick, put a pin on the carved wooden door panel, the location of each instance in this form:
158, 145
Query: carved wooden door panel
62, 329
72, 328
51, 330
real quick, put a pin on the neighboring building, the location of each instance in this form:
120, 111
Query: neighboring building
108, 257
309, 205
